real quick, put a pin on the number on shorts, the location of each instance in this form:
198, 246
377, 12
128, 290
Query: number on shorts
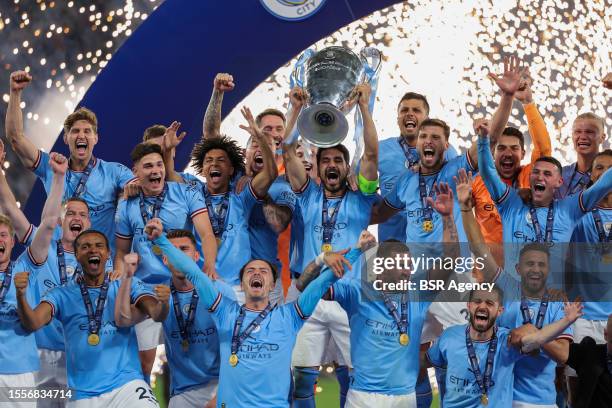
146, 394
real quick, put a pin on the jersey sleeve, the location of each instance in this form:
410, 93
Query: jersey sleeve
497, 188
248, 198
123, 175
123, 228
54, 298
194, 200
539, 134
224, 312
139, 290
456, 163
306, 194
393, 199
345, 293
588, 199
282, 195
41, 167
568, 333
450, 153
437, 353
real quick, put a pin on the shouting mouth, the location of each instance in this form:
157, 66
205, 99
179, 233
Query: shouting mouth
215, 176
539, 187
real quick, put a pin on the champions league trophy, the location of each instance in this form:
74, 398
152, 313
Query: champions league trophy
329, 80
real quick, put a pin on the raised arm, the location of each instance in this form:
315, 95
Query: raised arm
31, 319
336, 261
25, 149
156, 308
211, 127
175, 257
443, 204
8, 204
497, 188
170, 142
201, 222
369, 160
296, 173
122, 248
464, 181
537, 128
535, 340
263, 180
592, 195
126, 314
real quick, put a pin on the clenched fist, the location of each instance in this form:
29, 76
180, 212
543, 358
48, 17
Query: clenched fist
21, 281
162, 292
224, 82
19, 80
58, 163
131, 264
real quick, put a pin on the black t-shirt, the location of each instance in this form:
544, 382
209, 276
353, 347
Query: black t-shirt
594, 381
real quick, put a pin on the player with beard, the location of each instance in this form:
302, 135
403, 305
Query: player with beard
180, 207
217, 159
333, 217
96, 181
541, 219
256, 338
588, 135
480, 357
527, 302
508, 151
415, 186
191, 340
400, 153
101, 353
589, 267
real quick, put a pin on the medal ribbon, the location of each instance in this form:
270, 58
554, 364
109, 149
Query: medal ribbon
580, 185
601, 231
550, 219
217, 219
157, 205
80, 189
61, 262
483, 383
6, 282
95, 320
193, 304
541, 311
402, 322
238, 339
329, 222
427, 210
412, 157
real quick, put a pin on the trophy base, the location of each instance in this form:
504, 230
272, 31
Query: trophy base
323, 125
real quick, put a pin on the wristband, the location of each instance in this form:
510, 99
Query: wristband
366, 186
319, 259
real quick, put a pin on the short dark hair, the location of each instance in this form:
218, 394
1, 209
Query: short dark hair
606, 152
552, 160
77, 200
272, 268
495, 288
340, 147
390, 247
413, 95
143, 149
181, 233
270, 111
438, 123
534, 246
153, 131
90, 231
229, 146
512, 131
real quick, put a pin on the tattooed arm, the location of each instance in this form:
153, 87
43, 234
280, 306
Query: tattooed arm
211, 127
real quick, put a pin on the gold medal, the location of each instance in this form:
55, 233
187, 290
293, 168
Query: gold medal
607, 259
185, 345
484, 400
428, 226
157, 250
233, 360
404, 339
218, 242
93, 339
327, 247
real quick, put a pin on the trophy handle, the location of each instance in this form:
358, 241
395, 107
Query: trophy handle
371, 58
297, 75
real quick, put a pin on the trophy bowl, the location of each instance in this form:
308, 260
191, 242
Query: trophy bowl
330, 78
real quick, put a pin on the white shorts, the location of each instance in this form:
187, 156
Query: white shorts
135, 394
195, 397
149, 334
16, 381
583, 328
516, 404
327, 325
52, 375
362, 399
